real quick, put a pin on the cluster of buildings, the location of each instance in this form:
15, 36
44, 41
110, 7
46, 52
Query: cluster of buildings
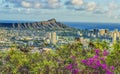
102, 34
52, 38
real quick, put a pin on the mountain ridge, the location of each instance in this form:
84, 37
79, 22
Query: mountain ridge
50, 24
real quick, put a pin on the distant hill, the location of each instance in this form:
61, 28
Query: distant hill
50, 24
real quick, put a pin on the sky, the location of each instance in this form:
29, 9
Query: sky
62, 10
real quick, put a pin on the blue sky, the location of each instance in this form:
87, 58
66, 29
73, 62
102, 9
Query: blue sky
62, 10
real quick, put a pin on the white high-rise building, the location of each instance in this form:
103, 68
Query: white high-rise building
48, 35
53, 38
114, 37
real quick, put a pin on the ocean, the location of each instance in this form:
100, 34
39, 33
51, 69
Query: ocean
83, 26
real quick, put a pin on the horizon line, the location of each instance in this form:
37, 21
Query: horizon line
20, 21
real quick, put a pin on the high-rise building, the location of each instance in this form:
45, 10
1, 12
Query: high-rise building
91, 33
48, 35
95, 31
78, 33
53, 38
117, 34
114, 37
102, 32
106, 30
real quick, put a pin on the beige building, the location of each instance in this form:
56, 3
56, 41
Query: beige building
114, 37
53, 38
48, 35
102, 31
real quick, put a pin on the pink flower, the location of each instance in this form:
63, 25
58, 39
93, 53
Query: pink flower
84, 61
104, 66
103, 59
109, 72
75, 71
112, 67
105, 53
97, 51
69, 67
98, 63
73, 57
96, 57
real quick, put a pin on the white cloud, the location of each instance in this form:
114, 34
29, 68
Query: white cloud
81, 5
77, 2
109, 13
91, 6
116, 17
77, 5
53, 1
53, 4
35, 3
26, 4
38, 5
113, 11
113, 6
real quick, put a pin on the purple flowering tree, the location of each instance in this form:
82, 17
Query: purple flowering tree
98, 64
72, 67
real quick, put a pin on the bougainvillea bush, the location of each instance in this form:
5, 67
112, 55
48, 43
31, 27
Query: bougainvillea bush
98, 63
67, 59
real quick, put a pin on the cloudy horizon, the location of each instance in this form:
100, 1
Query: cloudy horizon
62, 10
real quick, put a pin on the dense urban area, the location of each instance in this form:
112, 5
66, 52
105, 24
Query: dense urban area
51, 39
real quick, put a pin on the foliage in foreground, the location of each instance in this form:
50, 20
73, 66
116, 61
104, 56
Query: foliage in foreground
67, 59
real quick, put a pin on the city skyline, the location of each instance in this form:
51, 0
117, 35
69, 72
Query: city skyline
62, 10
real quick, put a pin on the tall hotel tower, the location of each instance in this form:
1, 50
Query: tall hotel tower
53, 38
114, 37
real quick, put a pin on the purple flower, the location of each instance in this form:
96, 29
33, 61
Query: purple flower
89, 63
112, 67
91, 60
105, 53
75, 64
98, 63
75, 71
69, 67
97, 51
109, 72
95, 67
84, 61
103, 59
104, 66
95, 57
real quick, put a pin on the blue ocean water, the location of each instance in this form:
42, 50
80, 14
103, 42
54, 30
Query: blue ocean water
110, 26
